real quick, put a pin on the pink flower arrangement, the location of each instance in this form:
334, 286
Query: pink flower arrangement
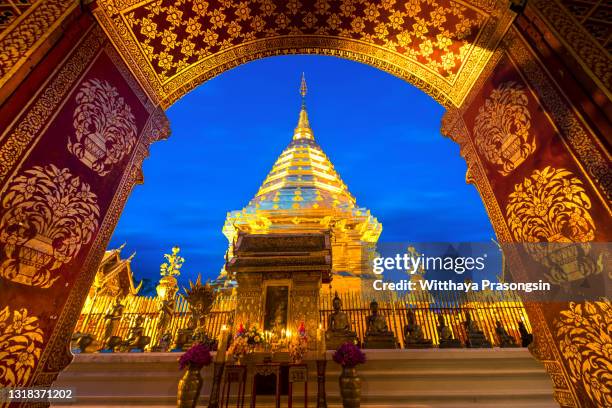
197, 356
349, 355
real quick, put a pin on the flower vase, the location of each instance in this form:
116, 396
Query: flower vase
189, 388
350, 388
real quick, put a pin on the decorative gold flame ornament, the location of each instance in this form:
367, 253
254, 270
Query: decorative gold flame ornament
584, 338
49, 215
105, 128
20, 346
501, 129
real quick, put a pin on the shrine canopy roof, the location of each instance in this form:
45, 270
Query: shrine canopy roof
282, 253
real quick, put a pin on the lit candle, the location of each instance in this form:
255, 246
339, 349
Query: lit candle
222, 345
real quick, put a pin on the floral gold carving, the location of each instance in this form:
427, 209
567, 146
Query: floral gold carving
550, 206
583, 333
21, 340
501, 129
589, 152
49, 215
105, 128
173, 45
15, 140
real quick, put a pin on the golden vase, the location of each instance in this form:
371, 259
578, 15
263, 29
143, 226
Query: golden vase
189, 388
350, 388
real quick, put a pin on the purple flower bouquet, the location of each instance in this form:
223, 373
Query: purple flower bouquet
349, 355
197, 356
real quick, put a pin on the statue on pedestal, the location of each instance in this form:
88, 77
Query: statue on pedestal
475, 337
164, 315
446, 335
378, 335
505, 340
136, 340
413, 333
166, 291
338, 327
110, 341
526, 337
200, 299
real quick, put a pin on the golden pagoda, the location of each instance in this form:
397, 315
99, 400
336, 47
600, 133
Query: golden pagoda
304, 194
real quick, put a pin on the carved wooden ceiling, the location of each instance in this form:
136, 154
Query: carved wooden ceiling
174, 45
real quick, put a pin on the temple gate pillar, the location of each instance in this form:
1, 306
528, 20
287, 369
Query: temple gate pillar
73, 135
530, 125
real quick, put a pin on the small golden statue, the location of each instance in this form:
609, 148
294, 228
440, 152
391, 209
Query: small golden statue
166, 291
446, 335
505, 340
338, 327
475, 337
136, 340
113, 317
413, 333
378, 335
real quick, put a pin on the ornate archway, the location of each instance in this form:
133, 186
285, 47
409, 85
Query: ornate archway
527, 99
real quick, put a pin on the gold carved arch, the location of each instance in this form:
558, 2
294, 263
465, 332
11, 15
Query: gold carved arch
172, 46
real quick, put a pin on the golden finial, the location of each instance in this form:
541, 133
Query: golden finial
303, 89
302, 131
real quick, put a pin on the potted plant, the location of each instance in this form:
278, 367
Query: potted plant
348, 355
190, 385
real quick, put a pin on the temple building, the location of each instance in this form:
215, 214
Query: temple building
304, 194
114, 276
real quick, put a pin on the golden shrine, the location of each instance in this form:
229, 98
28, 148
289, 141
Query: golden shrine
304, 194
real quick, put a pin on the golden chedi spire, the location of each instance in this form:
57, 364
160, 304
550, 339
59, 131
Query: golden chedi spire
304, 193
303, 130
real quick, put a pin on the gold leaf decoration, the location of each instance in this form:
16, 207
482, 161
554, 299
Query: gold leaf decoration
105, 128
21, 340
583, 333
501, 129
550, 206
49, 215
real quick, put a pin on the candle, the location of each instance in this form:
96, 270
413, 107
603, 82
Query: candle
321, 340
222, 345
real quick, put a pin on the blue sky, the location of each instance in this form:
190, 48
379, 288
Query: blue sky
381, 133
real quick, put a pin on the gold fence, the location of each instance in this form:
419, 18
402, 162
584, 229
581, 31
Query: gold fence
92, 319
485, 308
